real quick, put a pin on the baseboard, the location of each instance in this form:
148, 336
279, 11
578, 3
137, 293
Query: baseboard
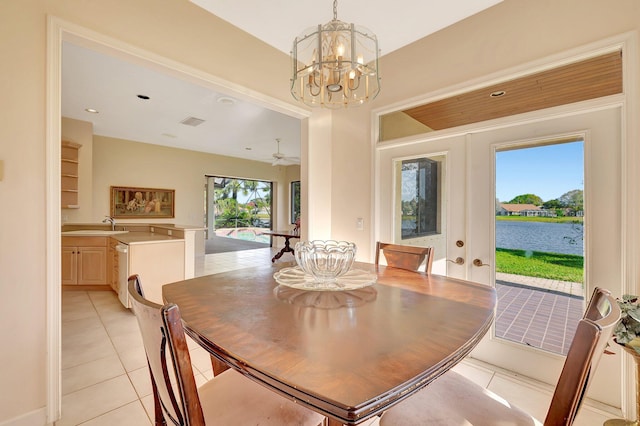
86, 287
34, 418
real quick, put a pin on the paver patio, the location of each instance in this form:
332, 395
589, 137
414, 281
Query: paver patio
536, 312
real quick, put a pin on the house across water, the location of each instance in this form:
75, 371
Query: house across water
529, 210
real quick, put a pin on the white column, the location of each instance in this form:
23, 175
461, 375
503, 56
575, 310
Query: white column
316, 174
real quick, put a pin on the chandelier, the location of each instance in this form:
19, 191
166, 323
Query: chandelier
335, 65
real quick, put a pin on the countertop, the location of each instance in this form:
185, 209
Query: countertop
126, 225
125, 237
130, 233
144, 237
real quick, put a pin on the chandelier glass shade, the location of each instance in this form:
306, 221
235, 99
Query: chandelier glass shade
335, 65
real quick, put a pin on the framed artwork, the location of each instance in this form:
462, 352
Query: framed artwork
141, 203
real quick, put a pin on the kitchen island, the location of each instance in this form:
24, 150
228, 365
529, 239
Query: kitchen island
100, 257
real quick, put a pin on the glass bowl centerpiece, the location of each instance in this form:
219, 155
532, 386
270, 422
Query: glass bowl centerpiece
324, 260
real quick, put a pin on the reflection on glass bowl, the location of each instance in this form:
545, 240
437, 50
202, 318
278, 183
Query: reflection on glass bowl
325, 260
296, 278
323, 299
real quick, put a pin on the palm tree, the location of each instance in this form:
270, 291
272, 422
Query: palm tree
230, 188
259, 200
230, 213
227, 212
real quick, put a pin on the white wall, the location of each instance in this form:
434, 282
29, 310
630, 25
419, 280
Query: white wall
22, 227
118, 162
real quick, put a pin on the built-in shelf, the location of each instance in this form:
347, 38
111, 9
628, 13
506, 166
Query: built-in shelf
69, 175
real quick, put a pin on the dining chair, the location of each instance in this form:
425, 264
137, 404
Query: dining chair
405, 257
227, 399
455, 400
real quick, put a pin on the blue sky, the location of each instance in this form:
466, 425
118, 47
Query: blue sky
546, 171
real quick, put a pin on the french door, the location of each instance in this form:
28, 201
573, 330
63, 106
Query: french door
464, 237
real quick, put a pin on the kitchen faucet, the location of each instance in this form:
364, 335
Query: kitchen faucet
111, 220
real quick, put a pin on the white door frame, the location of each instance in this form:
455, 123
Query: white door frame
59, 30
630, 134
599, 130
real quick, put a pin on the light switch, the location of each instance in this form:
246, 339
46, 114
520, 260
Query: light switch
360, 224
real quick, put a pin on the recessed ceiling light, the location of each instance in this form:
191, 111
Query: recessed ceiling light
145, 97
498, 93
225, 100
91, 110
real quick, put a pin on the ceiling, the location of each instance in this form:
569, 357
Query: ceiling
587, 79
111, 86
231, 127
395, 23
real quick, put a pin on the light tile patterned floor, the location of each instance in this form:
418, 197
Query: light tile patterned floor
105, 379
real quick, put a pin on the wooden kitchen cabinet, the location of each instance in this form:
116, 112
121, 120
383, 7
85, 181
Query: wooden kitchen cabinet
69, 270
84, 261
112, 265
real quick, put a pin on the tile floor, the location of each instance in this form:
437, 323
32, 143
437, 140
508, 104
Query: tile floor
105, 379
542, 319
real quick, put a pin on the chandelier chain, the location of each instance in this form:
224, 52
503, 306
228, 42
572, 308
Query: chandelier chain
335, 10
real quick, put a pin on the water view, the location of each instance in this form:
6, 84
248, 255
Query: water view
565, 238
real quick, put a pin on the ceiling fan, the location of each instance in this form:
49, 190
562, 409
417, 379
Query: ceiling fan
279, 159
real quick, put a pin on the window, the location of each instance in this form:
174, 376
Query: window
295, 201
420, 198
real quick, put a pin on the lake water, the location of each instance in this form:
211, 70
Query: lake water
540, 236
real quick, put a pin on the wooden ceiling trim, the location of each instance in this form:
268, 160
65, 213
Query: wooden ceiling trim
580, 81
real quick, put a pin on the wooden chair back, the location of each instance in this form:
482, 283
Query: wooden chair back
598, 305
405, 257
174, 389
589, 342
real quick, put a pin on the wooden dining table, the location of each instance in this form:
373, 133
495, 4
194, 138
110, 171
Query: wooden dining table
349, 354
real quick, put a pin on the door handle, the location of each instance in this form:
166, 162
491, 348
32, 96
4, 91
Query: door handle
478, 262
458, 261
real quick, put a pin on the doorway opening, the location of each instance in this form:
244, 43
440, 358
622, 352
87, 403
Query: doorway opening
237, 212
540, 244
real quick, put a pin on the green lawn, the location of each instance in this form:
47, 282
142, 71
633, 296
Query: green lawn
563, 219
563, 267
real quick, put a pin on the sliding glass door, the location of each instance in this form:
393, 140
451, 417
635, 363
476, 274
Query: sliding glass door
238, 208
